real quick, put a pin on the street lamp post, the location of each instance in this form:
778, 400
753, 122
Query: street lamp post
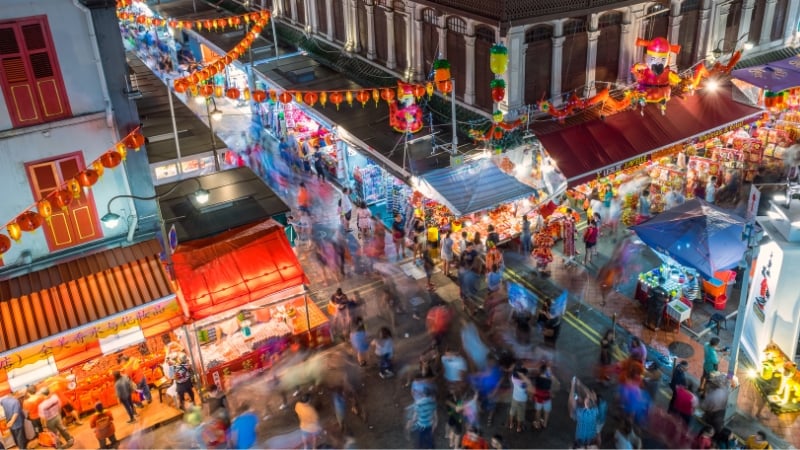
111, 220
213, 115
719, 49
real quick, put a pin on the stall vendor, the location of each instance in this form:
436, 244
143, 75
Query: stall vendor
691, 289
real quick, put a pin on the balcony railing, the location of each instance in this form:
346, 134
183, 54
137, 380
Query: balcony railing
511, 10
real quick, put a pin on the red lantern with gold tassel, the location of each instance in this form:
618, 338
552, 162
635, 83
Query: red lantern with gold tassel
445, 86
62, 199
310, 98
419, 91
110, 159
363, 97
387, 95
122, 149
180, 85
233, 93
285, 97
336, 98
45, 209
134, 141
259, 96
87, 178
14, 231
29, 221
5, 243
98, 167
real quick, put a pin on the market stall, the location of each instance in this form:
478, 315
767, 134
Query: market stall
245, 291
71, 323
696, 239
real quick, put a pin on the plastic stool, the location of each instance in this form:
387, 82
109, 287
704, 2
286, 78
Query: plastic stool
718, 321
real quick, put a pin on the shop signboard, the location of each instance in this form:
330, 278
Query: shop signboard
764, 312
86, 339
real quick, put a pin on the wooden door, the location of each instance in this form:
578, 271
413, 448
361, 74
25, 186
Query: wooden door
757, 21
301, 11
381, 33
457, 53
339, 34
658, 24
78, 223
687, 34
732, 27
538, 63
607, 64
430, 41
779, 19
484, 38
361, 28
400, 55
573, 70
322, 17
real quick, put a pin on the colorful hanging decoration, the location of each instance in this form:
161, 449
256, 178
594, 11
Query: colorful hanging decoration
219, 24
498, 59
405, 116
441, 76
498, 87
655, 83
42, 210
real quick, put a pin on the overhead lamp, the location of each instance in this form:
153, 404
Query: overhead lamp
201, 195
779, 197
216, 115
111, 220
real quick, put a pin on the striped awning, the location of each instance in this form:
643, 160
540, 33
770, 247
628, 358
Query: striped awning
44, 303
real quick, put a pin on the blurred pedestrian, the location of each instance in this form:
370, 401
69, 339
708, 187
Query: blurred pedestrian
625, 438
606, 345
487, 383
496, 443
428, 265
309, 421
50, 414
422, 421
319, 165
473, 440
14, 419
678, 379
243, 428
520, 385
303, 199
590, 241
526, 242
447, 253
123, 386
398, 235
363, 221
346, 208
454, 429
102, 422
455, 368
583, 410
384, 349
716, 400
757, 441
710, 361
542, 395
218, 405
638, 350
704, 439
359, 341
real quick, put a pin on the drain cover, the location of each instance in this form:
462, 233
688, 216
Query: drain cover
681, 349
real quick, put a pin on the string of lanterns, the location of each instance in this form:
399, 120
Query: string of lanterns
42, 210
218, 24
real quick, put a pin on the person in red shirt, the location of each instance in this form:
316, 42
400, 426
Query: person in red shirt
102, 422
303, 199
31, 407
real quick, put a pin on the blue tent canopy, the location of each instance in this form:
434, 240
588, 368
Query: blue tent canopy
473, 187
775, 76
696, 234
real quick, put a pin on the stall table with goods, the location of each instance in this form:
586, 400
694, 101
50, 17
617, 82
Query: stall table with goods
778, 382
253, 338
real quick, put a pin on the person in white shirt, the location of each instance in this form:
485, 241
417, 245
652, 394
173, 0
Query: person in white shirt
347, 208
50, 413
711, 190
455, 368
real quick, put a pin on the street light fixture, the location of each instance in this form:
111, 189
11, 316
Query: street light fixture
111, 220
719, 49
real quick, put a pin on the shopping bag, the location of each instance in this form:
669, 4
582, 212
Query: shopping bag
48, 439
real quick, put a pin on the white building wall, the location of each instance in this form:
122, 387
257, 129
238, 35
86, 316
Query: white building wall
90, 136
69, 30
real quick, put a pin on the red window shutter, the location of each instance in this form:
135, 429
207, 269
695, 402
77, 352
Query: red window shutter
31, 76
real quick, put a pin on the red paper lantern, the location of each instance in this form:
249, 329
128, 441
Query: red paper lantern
62, 199
363, 97
387, 95
180, 85
310, 98
110, 159
445, 86
87, 178
14, 231
336, 98
498, 94
419, 91
236, 21
259, 96
29, 221
5, 243
285, 97
134, 141
45, 209
233, 93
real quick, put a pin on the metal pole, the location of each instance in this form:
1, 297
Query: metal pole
454, 149
274, 33
174, 125
213, 138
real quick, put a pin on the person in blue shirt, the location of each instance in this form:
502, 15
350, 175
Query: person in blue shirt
243, 428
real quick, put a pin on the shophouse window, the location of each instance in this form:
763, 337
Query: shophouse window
78, 222
31, 79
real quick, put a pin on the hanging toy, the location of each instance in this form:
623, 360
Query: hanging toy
498, 59
654, 77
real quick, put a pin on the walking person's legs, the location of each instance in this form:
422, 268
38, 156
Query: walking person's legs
145, 388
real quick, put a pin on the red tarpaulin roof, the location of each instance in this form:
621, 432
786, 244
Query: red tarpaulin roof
230, 269
581, 151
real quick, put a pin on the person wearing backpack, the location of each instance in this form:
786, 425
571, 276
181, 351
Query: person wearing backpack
590, 241
102, 422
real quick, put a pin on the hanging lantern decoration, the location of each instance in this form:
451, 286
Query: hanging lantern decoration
5, 243
376, 96
498, 86
219, 91
336, 99
134, 141
498, 59
110, 159
14, 231
429, 89
498, 133
323, 98
74, 188
363, 97
259, 96
246, 94
419, 91
97, 166
62, 199
45, 209
273, 96
298, 97
387, 95
285, 97
310, 98
29, 221
233, 93
87, 178
441, 70
348, 96
122, 149
445, 87
180, 85
207, 90
497, 116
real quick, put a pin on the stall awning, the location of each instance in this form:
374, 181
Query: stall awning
78, 292
230, 269
774, 76
598, 147
473, 187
